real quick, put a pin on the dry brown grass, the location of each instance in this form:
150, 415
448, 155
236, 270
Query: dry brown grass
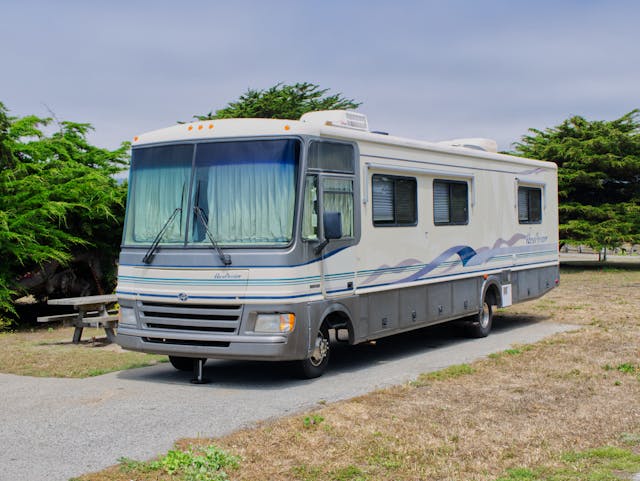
50, 353
520, 408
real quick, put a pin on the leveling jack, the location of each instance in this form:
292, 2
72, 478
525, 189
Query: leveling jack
198, 366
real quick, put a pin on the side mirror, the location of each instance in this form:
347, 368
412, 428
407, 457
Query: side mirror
332, 222
332, 225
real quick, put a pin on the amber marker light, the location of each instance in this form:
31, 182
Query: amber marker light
190, 128
200, 127
287, 127
210, 126
287, 322
485, 276
135, 139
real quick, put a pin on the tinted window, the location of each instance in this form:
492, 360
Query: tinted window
332, 157
394, 200
450, 202
529, 205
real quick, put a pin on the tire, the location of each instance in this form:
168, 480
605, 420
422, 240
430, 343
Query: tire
316, 364
183, 363
480, 324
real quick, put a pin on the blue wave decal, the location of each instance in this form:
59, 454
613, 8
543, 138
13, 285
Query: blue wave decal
407, 264
468, 258
485, 253
465, 253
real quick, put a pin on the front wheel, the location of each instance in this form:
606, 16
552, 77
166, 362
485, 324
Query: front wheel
480, 324
183, 363
316, 364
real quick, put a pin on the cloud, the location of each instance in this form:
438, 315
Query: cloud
423, 69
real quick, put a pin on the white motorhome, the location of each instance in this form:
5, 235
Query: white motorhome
256, 238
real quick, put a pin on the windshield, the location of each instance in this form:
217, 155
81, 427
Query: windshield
244, 191
159, 181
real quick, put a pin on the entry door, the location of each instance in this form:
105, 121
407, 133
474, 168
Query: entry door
338, 262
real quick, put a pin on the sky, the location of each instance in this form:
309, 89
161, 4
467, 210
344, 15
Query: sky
429, 70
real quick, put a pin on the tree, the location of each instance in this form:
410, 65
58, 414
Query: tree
598, 177
58, 198
281, 102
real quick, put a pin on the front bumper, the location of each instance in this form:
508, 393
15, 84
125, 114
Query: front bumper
211, 331
258, 348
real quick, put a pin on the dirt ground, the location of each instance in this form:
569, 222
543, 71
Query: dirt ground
49, 352
525, 408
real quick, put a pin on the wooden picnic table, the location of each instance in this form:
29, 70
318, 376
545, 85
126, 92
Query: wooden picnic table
92, 311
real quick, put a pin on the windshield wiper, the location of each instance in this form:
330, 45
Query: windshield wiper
225, 258
154, 245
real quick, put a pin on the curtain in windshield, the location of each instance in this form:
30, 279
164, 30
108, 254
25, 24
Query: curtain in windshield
159, 185
246, 191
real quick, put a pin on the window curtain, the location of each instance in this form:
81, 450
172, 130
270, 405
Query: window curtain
523, 205
251, 192
338, 197
440, 203
159, 186
310, 213
382, 199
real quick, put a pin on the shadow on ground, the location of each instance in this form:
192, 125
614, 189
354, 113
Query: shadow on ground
344, 358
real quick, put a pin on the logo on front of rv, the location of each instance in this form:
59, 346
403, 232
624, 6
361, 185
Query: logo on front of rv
183, 296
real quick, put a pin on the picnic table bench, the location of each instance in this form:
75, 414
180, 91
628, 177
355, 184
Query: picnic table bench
92, 311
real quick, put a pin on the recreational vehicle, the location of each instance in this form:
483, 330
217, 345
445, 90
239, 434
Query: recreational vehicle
266, 239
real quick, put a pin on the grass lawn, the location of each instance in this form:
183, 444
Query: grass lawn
566, 408
49, 352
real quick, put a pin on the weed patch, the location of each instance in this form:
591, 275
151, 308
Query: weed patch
601, 464
451, 372
311, 421
207, 464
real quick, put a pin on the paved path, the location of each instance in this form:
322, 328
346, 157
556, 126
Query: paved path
53, 429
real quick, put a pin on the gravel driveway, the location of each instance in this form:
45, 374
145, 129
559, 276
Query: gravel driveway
53, 429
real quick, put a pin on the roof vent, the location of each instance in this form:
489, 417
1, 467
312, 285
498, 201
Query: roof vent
487, 145
337, 118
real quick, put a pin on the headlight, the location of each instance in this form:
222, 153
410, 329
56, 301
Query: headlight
275, 322
127, 316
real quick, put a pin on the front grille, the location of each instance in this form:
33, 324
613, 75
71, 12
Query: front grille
153, 325
206, 318
180, 342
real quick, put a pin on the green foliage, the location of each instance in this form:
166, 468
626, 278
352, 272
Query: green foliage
57, 197
601, 464
312, 420
281, 102
451, 372
598, 177
208, 465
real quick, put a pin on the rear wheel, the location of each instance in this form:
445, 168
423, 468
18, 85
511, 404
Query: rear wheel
183, 363
316, 364
480, 324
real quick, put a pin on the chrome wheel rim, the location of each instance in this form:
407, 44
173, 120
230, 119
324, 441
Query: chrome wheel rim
320, 350
485, 315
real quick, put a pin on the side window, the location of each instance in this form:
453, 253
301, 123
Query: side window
332, 157
529, 205
338, 197
450, 202
310, 209
393, 200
